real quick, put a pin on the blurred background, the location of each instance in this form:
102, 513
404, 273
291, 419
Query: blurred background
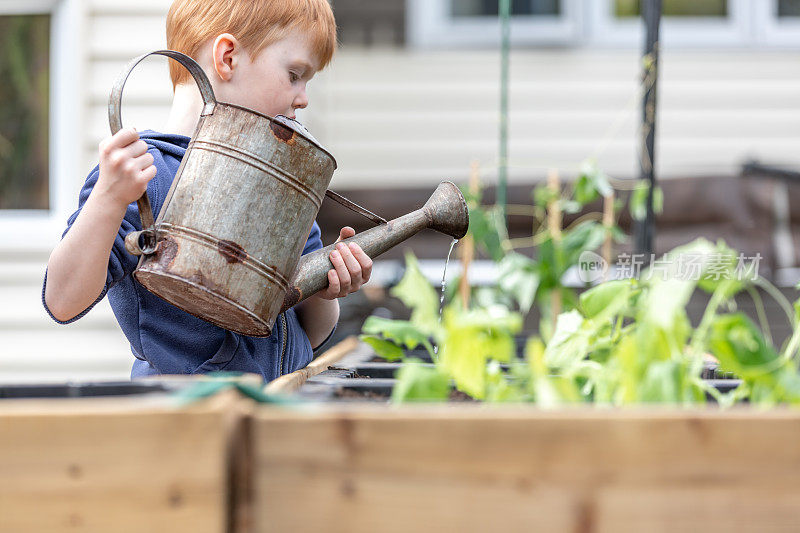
413, 98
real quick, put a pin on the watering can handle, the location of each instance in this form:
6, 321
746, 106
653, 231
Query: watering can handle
144, 242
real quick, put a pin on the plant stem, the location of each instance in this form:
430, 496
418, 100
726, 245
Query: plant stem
554, 221
699, 335
617, 329
791, 348
778, 297
608, 223
505, 39
762, 316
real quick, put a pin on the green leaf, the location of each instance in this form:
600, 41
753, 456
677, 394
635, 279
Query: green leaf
487, 227
543, 195
472, 199
544, 391
570, 342
534, 354
662, 382
400, 332
416, 382
638, 201
721, 267
473, 338
618, 235
570, 207
670, 282
585, 190
415, 292
592, 184
740, 346
498, 387
490, 296
386, 349
662, 302
606, 299
519, 278
586, 236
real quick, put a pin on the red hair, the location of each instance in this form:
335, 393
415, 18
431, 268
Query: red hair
255, 23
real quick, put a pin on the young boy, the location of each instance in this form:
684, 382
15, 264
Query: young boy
259, 54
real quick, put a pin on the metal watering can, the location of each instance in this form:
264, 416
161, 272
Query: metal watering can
228, 241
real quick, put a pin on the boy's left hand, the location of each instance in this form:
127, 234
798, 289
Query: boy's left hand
351, 268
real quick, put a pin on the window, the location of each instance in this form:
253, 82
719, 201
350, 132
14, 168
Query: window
39, 115
609, 23
483, 8
368, 23
445, 23
675, 8
24, 111
789, 8
684, 23
778, 22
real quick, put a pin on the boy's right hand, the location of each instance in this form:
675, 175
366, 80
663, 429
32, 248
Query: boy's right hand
125, 168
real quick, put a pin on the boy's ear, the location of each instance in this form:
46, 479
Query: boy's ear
225, 55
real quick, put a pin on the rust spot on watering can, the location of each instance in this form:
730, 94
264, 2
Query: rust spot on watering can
282, 133
232, 252
166, 252
292, 296
199, 279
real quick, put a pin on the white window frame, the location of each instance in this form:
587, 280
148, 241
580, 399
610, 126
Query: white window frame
430, 25
771, 30
40, 229
749, 24
675, 32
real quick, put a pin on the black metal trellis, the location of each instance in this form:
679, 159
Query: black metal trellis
645, 230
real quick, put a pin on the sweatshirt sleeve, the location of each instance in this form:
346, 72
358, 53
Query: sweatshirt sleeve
121, 263
314, 241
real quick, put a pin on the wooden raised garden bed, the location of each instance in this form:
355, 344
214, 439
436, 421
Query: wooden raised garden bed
358, 466
132, 462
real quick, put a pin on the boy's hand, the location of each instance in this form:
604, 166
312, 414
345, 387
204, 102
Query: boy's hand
125, 168
352, 268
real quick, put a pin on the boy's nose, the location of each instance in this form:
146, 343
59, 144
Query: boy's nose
300, 101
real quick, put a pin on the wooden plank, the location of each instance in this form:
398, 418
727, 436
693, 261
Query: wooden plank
115, 465
473, 468
293, 381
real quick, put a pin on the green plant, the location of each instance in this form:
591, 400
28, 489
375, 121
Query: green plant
625, 342
525, 281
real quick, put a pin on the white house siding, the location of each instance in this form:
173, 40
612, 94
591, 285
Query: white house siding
34, 348
411, 118
395, 118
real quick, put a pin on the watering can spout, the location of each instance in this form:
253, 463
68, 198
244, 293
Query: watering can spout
445, 211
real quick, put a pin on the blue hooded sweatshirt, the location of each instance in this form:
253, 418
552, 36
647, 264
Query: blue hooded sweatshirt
165, 339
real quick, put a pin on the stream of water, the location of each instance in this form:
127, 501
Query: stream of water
444, 286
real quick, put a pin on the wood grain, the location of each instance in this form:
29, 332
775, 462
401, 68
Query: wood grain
291, 382
99, 465
478, 469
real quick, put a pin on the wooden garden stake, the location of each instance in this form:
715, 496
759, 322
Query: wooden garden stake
468, 243
554, 225
608, 223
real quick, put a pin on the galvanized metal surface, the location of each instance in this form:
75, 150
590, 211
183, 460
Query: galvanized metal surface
445, 211
145, 241
237, 216
229, 236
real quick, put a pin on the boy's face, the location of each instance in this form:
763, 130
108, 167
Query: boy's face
275, 83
